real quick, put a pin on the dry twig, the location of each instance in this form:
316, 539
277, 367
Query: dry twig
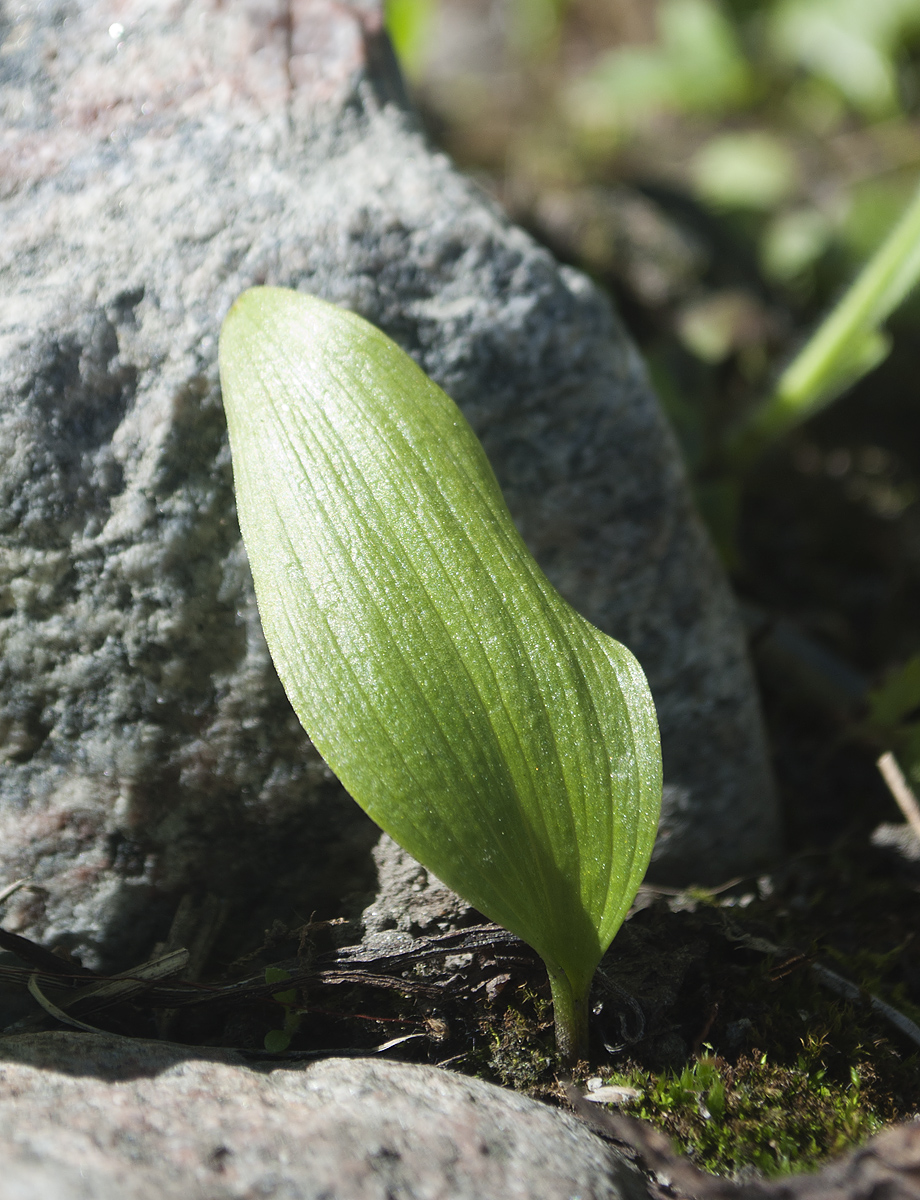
901, 790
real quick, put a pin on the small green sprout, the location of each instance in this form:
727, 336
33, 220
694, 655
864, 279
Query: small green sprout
278, 1040
500, 738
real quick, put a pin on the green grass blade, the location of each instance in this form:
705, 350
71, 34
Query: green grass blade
492, 731
849, 343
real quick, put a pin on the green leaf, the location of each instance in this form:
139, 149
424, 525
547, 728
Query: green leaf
846, 345
276, 975
499, 737
276, 1041
279, 975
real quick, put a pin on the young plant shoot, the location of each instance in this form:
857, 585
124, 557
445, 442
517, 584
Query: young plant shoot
506, 743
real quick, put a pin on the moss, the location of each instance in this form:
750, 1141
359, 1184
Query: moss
517, 1046
518, 1057
742, 1056
770, 1114
728, 1117
688, 990
754, 1113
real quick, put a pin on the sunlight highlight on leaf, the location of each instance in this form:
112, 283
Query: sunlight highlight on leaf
492, 731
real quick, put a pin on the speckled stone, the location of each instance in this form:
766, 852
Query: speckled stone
155, 160
84, 1117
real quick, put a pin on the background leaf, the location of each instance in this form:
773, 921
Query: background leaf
492, 731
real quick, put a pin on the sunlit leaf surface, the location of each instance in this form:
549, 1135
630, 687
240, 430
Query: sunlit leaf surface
492, 731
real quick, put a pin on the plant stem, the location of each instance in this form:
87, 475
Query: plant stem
849, 342
570, 1012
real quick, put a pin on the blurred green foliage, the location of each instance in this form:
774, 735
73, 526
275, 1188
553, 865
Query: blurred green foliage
744, 170
793, 120
697, 65
898, 697
852, 45
894, 716
715, 59
409, 23
850, 342
792, 123
785, 75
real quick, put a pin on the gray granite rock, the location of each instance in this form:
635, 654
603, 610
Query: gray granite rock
409, 900
154, 161
89, 1117
85, 1116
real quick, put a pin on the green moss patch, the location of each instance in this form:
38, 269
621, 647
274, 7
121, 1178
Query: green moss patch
730, 1118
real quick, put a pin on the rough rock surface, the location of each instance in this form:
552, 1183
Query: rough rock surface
89, 1117
409, 900
96, 1117
155, 160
